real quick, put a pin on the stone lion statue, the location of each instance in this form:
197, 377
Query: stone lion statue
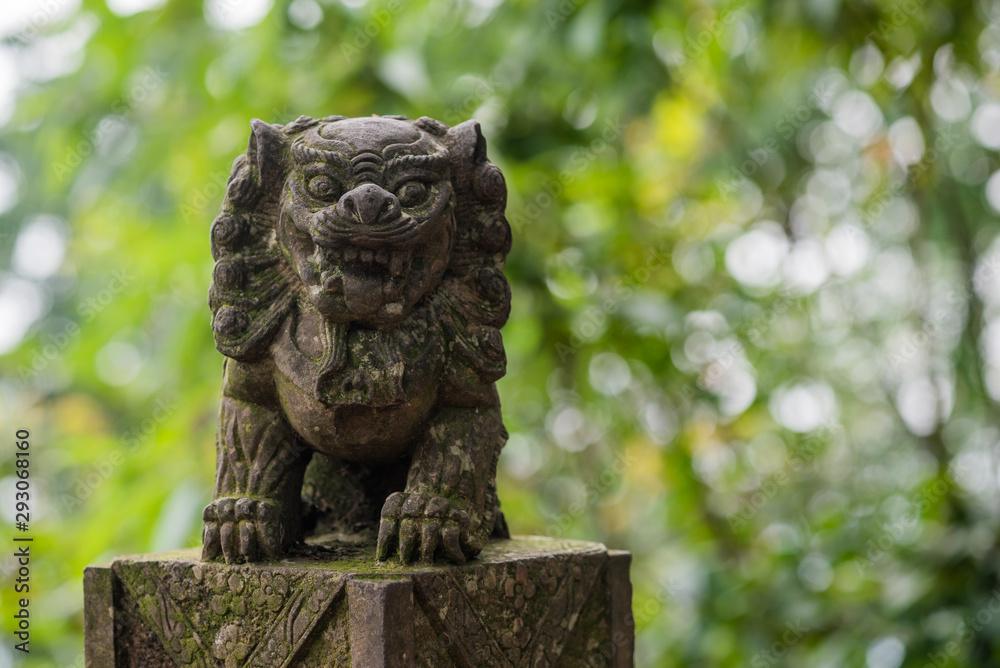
357, 295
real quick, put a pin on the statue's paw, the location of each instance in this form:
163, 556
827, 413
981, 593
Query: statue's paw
421, 525
242, 529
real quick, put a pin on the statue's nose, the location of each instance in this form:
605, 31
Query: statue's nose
368, 204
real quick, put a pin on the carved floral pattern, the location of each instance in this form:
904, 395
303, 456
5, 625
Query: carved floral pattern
228, 617
524, 603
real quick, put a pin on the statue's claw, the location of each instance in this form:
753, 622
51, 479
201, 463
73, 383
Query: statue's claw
417, 525
242, 529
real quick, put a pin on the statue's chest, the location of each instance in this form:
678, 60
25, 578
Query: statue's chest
358, 393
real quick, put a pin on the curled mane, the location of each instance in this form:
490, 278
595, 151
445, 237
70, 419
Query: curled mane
254, 287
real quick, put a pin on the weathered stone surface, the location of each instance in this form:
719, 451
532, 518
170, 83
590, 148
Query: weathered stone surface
381, 613
528, 601
358, 294
622, 622
99, 615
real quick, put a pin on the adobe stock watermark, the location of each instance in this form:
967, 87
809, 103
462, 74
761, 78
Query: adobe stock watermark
594, 318
945, 319
930, 329
563, 11
194, 207
696, 45
595, 489
152, 79
794, 632
641, 615
100, 472
197, 202
754, 330
52, 346
578, 161
893, 532
785, 128
966, 631
901, 14
485, 89
42, 15
811, 447
948, 138
362, 36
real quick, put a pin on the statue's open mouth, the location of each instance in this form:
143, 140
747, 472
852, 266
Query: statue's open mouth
370, 262
367, 277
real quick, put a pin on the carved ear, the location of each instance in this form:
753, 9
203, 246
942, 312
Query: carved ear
468, 148
267, 153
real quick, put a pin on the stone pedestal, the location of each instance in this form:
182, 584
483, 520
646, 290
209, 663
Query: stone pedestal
523, 602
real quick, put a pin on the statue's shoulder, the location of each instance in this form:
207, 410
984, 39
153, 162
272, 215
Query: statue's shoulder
250, 381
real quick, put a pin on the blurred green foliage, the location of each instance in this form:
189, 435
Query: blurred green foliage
756, 327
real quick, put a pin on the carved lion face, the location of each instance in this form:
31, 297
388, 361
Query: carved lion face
367, 218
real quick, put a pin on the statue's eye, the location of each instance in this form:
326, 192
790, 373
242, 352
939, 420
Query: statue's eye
323, 188
412, 193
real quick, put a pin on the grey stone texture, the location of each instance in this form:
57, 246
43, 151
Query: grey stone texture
527, 601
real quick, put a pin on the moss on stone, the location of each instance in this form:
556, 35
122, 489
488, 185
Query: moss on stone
524, 600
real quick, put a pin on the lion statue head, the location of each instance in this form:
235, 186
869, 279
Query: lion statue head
367, 219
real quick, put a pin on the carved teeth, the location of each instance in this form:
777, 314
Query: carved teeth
397, 261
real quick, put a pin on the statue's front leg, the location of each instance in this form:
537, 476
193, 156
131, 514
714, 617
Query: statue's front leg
256, 513
449, 505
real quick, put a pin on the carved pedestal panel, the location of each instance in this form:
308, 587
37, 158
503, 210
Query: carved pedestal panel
528, 601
